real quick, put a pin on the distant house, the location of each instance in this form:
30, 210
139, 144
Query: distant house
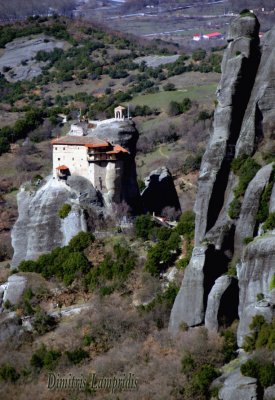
197, 37
213, 35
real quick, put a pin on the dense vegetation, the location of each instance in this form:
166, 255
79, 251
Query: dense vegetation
66, 263
167, 248
263, 334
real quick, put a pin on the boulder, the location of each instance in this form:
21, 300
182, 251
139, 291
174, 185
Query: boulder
238, 387
269, 393
14, 289
10, 326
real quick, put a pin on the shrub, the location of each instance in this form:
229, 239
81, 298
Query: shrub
4, 145
263, 211
202, 379
262, 335
250, 368
270, 222
204, 115
43, 322
260, 296
113, 268
272, 283
199, 55
248, 239
188, 365
64, 211
81, 241
143, 226
169, 87
247, 13
186, 224
245, 168
230, 345
234, 208
263, 372
76, 356
8, 373
192, 163
44, 358
232, 270
174, 108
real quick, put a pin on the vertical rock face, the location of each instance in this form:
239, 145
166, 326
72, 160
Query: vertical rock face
243, 123
239, 67
39, 228
125, 134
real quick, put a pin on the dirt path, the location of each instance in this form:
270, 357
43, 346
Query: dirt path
162, 154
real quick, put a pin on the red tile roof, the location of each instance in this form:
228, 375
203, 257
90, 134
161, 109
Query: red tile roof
213, 34
87, 141
117, 149
62, 168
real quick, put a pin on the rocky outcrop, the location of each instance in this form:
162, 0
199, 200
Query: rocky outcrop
39, 228
126, 135
14, 289
269, 393
159, 192
19, 56
238, 387
243, 125
246, 224
239, 68
255, 273
190, 293
10, 326
220, 304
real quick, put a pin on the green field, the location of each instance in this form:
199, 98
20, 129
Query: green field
204, 94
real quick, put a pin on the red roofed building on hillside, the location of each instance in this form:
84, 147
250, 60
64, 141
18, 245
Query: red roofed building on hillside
213, 35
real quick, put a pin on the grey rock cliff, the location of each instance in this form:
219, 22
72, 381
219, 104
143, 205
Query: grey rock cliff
125, 134
239, 68
255, 273
243, 123
38, 228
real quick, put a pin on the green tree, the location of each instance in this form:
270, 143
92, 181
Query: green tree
143, 226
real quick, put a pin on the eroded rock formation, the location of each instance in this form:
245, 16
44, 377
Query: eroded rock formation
159, 192
39, 228
243, 123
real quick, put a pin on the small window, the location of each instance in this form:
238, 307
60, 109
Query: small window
58, 159
63, 148
56, 148
73, 158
